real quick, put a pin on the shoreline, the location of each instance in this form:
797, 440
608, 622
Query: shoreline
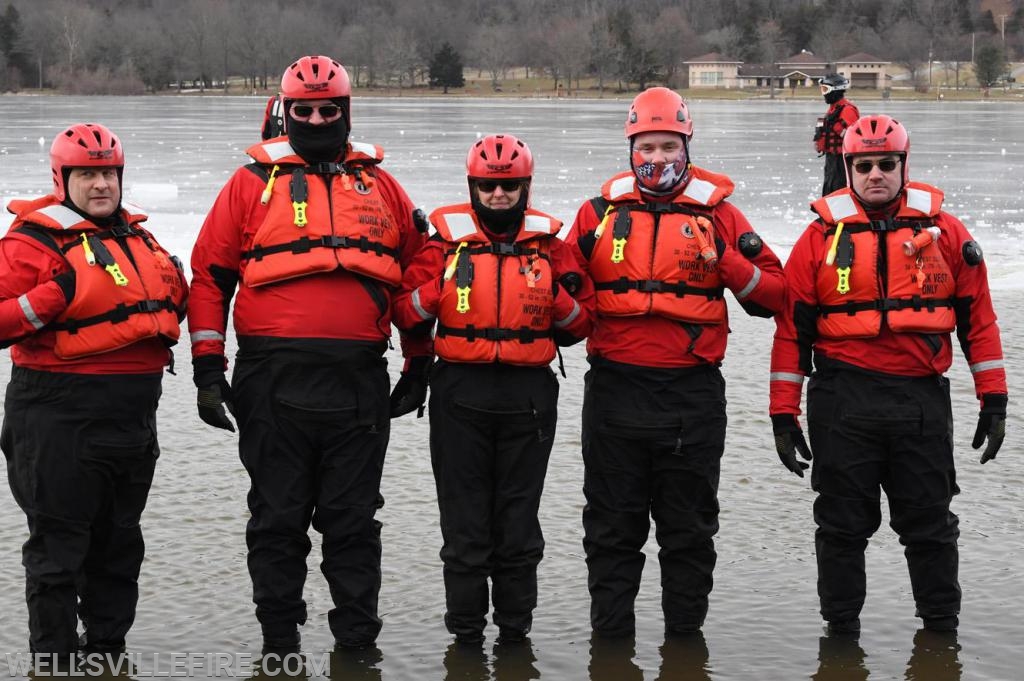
811, 95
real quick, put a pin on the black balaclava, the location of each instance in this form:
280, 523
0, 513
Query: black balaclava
115, 218
500, 221
834, 96
317, 143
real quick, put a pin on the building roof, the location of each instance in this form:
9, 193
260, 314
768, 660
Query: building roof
861, 58
804, 58
712, 58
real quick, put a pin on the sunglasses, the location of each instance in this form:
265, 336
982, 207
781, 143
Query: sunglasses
326, 110
488, 186
886, 165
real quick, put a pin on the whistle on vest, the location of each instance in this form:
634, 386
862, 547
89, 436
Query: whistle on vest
921, 240
269, 189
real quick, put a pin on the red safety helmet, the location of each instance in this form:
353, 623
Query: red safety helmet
499, 157
80, 146
658, 109
876, 134
317, 77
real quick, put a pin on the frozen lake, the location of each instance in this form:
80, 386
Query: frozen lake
763, 622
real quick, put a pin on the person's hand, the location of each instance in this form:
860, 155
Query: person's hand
214, 391
789, 439
212, 399
66, 281
410, 392
991, 425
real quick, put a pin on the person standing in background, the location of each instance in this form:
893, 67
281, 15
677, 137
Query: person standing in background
828, 133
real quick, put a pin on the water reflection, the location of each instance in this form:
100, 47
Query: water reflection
515, 661
935, 657
840, 658
280, 664
356, 664
684, 657
466, 662
611, 659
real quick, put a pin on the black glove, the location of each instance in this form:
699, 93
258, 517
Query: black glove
991, 425
410, 392
789, 440
214, 391
66, 281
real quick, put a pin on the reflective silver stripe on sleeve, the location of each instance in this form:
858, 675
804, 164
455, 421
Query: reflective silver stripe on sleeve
786, 376
30, 314
197, 336
415, 298
750, 284
985, 366
569, 317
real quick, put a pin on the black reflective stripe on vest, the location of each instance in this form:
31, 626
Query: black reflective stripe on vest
305, 245
119, 314
916, 303
471, 333
681, 289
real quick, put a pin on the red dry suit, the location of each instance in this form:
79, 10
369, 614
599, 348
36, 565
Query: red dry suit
661, 304
893, 321
129, 293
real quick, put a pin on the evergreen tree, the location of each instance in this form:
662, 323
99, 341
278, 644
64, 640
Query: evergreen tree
446, 68
11, 46
989, 64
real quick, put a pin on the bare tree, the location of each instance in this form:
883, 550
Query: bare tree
673, 40
909, 47
491, 48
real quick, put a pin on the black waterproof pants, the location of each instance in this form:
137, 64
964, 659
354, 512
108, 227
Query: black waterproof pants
835, 174
652, 445
314, 426
81, 450
491, 431
872, 433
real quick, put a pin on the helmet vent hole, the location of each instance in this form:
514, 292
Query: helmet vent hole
497, 147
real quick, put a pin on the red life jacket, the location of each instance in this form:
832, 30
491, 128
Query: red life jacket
497, 304
322, 217
647, 257
120, 298
911, 294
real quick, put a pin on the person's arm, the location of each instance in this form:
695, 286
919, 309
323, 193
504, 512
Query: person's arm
795, 327
574, 299
795, 333
35, 288
215, 261
415, 342
748, 266
978, 333
416, 303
